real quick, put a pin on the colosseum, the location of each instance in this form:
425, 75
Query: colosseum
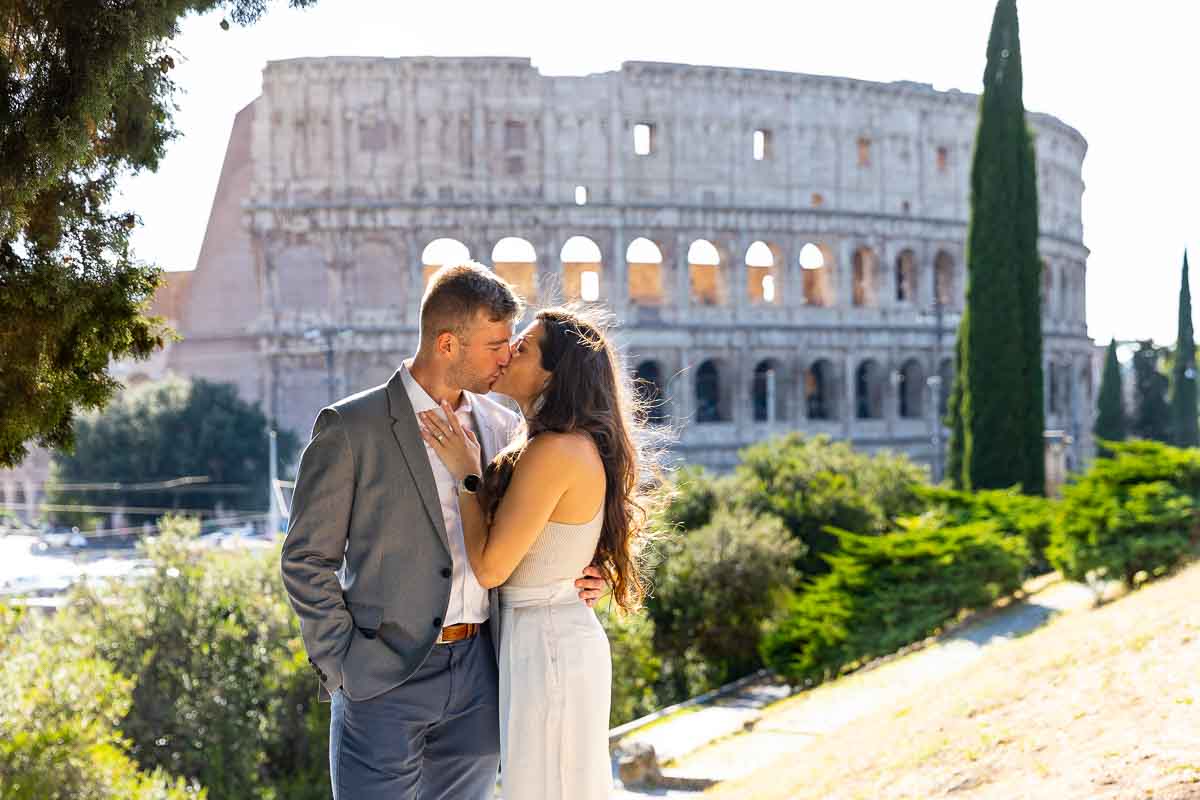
780, 251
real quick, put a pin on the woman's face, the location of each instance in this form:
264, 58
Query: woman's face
523, 379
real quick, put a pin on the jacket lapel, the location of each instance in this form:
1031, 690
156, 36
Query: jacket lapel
408, 437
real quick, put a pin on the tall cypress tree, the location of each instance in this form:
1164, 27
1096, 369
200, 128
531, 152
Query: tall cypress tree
1185, 425
1002, 395
1110, 404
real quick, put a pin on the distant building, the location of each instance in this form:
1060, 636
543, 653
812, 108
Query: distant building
782, 251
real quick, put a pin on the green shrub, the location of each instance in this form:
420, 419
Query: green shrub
691, 499
58, 723
1132, 513
884, 592
814, 483
712, 592
1014, 514
635, 667
222, 693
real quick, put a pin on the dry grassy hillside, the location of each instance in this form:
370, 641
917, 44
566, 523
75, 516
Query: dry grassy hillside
1096, 706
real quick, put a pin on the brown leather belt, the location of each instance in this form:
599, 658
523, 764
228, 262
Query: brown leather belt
456, 633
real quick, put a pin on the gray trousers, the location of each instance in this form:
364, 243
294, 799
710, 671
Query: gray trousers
434, 737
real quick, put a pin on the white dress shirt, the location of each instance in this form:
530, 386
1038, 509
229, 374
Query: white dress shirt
468, 600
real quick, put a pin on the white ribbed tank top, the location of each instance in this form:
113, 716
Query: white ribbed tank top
559, 553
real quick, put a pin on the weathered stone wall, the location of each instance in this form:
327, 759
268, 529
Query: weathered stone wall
342, 172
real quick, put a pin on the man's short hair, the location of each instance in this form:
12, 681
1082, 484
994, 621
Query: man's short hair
455, 294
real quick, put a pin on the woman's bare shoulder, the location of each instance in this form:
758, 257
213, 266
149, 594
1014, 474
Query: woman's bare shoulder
558, 450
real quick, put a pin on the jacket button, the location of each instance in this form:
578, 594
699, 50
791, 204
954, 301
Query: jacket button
445, 572
437, 622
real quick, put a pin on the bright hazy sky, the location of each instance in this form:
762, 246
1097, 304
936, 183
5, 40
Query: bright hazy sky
1124, 76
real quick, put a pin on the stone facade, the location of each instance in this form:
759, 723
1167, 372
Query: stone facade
338, 177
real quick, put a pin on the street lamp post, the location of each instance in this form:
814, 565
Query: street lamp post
934, 381
935, 385
273, 472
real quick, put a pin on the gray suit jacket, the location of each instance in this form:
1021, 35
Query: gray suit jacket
366, 561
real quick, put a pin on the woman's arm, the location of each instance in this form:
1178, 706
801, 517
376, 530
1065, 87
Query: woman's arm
540, 478
546, 469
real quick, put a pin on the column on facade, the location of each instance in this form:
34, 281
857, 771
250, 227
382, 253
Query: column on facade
741, 363
674, 387
683, 280
738, 275
339, 141
683, 388
850, 413
413, 246
885, 290
791, 292
549, 266
926, 275
844, 283
616, 269
891, 391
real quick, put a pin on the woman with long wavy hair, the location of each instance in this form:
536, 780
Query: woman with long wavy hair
564, 495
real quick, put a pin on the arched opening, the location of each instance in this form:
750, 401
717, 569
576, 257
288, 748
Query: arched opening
705, 274
644, 259
864, 278
647, 381
438, 254
712, 402
911, 390
582, 269
767, 392
819, 396
943, 278
816, 264
906, 277
868, 390
515, 260
762, 274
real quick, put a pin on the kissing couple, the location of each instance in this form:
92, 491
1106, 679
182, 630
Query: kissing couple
444, 554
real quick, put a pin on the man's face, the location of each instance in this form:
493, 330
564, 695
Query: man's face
481, 355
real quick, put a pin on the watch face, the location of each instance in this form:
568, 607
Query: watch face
471, 483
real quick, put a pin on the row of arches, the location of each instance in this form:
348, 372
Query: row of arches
710, 278
819, 394
307, 273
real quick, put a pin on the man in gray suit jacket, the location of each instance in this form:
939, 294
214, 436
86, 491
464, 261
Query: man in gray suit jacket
398, 630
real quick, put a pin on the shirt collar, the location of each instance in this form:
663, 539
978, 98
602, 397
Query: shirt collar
420, 399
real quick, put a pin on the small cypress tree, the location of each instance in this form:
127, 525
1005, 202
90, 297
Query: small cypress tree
1151, 414
1110, 410
1185, 425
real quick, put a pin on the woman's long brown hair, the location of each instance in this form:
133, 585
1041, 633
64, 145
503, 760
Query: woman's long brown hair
589, 391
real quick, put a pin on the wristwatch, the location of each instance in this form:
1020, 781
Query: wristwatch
471, 483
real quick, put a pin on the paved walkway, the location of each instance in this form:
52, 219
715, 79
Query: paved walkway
748, 730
